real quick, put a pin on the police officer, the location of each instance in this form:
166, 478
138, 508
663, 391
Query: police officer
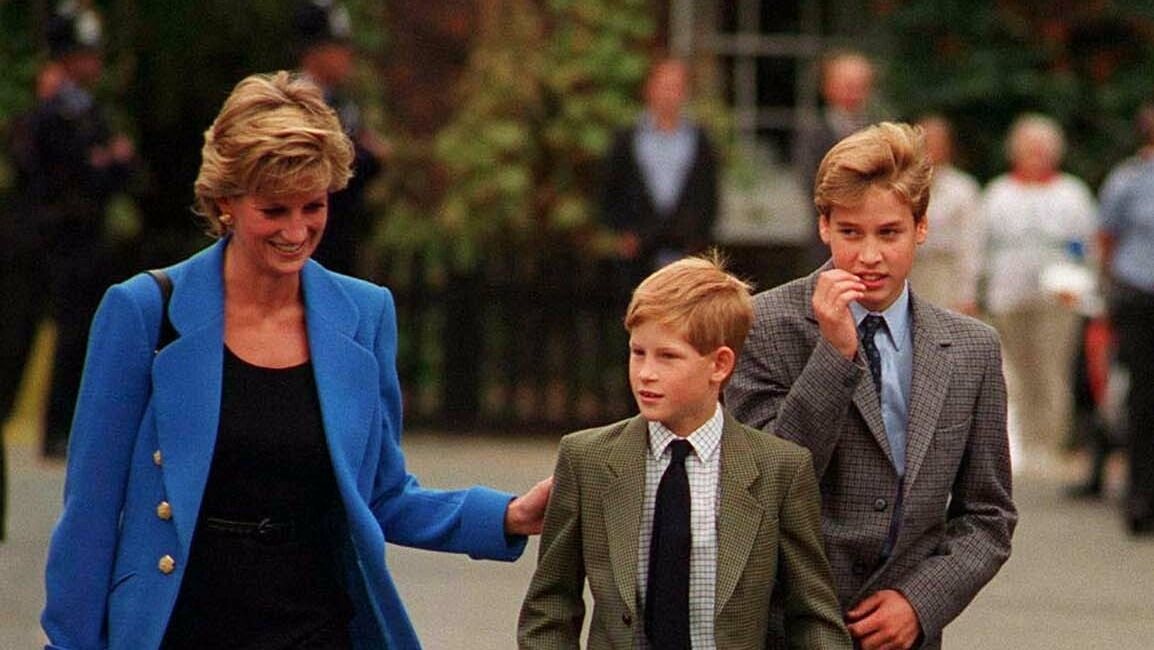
73, 166
326, 56
23, 275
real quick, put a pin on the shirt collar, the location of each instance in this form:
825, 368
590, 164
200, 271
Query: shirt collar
705, 439
73, 95
649, 125
897, 316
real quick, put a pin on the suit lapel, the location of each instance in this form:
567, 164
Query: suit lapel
187, 377
186, 382
347, 378
623, 501
930, 384
740, 514
865, 397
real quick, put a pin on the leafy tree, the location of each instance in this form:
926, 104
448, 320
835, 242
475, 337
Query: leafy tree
983, 62
20, 58
546, 85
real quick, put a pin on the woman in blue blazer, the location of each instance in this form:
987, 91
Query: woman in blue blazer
236, 486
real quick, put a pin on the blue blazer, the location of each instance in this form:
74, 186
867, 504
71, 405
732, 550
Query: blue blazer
144, 432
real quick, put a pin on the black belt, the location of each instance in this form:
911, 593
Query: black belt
267, 530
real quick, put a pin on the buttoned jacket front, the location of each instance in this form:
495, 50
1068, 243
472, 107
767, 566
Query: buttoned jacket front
768, 543
957, 515
144, 433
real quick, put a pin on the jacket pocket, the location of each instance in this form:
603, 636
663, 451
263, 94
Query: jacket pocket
119, 581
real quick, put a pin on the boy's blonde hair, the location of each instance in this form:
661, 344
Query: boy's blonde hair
698, 296
888, 155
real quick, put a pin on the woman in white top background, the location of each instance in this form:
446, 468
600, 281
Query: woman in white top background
1035, 216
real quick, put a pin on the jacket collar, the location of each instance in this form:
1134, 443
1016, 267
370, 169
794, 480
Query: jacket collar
624, 499
930, 383
737, 530
931, 374
199, 302
187, 374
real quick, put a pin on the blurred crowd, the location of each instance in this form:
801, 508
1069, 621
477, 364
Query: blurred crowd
1065, 276
1067, 279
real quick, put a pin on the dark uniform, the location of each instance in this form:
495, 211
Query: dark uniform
69, 195
23, 285
350, 223
66, 189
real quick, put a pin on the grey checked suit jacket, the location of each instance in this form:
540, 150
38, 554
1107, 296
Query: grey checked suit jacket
768, 540
957, 516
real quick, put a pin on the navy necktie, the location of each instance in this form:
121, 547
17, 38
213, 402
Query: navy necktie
868, 328
667, 594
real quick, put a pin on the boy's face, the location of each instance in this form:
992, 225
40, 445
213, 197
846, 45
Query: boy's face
666, 89
672, 382
874, 240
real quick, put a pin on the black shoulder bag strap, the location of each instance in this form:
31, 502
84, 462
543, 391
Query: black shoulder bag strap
167, 331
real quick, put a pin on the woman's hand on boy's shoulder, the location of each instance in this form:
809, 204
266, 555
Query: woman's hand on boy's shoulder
526, 514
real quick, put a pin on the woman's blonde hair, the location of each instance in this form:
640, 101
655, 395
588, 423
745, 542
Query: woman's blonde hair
696, 295
275, 135
888, 155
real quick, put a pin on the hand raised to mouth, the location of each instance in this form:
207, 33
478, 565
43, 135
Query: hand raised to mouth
834, 292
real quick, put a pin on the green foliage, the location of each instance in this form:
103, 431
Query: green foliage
546, 86
19, 61
982, 63
18, 58
596, 60
489, 151
231, 40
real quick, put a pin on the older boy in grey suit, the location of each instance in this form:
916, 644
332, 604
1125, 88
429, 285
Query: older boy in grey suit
901, 403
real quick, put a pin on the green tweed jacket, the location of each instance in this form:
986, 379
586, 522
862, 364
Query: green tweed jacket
768, 536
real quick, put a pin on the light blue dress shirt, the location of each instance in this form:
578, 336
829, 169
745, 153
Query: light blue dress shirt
665, 158
1127, 212
895, 344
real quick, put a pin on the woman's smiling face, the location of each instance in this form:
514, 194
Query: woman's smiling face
276, 235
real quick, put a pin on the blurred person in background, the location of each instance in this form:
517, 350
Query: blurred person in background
235, 468
659, 192
847, 88
1096, 426
70, 167
1101, 377
23, 275
1127, 255
327, 57
949, 261
1036, 217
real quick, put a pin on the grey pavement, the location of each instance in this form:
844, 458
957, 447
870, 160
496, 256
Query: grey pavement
1075, 579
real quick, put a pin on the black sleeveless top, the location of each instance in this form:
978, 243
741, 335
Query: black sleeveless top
274, 585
